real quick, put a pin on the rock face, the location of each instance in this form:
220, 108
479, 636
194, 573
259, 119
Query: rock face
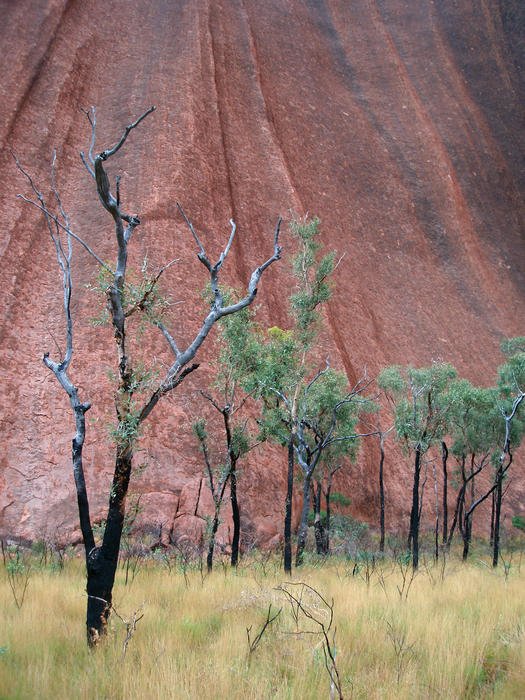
398, 123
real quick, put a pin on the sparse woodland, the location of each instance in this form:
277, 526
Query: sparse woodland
346, 609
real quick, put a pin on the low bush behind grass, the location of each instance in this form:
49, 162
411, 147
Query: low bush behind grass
460, 635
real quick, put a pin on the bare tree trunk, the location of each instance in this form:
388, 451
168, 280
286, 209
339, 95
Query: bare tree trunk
328, 514
211, 543
498, 497
467, 534
381, 498
436, 524
318, 525
413, 536
303, 523
236, 516
232, 458
492, 518
501, 471
444, 458
288, 510
103, 560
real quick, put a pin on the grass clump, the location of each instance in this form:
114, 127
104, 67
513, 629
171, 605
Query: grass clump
459, 635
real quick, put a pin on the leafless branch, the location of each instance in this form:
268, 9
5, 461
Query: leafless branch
253, 644
315, 612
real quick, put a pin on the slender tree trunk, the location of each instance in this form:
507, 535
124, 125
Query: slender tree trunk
328, 513
211, 544
236, 516
467, 535
444, 458
492, 518
436, 525
318, 525
288, 510
303, 523
381, 499
413, 536
459, 502
498, 495
232, 457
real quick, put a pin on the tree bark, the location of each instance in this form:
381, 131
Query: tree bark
498, 497
492, 514
236, 517
413, 536
211, 543
288, 510
381, 499
102, 561
318, 525
328, 514
444, 458
303, 523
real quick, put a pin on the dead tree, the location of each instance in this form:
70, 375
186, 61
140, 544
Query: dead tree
101, 561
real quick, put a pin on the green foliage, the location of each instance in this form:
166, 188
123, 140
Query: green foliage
322, 517
347, 528
312, 273
127, 430
339, 499
240, 441
511, 375
511, 346
324, 403
511, 386
518, 521
199, 430
421, 411
474, 424
140, 293
18, 570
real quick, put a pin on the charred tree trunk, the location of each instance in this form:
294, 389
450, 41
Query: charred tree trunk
102, 561
467, 534
444, 459
498, 497
232, 459
328, 514
492, 518
413, 535
236, 517
303, 523
459, 502
381, 498
288, 510
318, 525
211, 543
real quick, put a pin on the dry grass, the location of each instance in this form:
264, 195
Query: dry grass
460, 637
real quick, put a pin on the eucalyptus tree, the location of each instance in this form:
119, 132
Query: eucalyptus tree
134, 398
234, 353
420, 417
285, 357
510, 404
474, 430
382, 434
327, 418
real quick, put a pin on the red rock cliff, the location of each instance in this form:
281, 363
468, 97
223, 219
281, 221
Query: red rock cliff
398, 123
